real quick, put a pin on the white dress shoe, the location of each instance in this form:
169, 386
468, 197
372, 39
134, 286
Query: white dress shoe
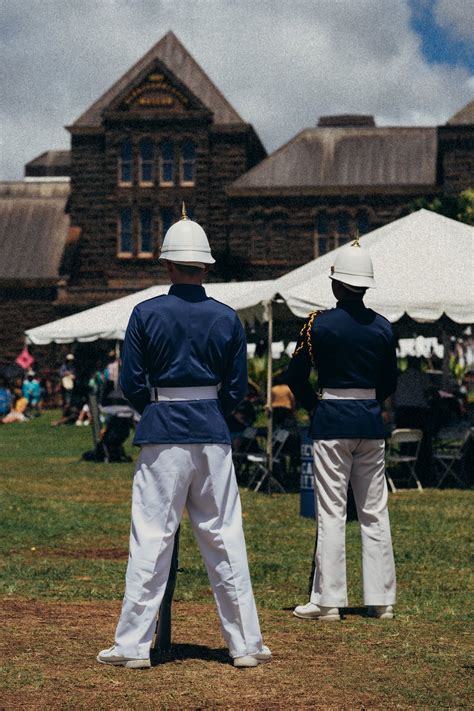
381, 612
253, 660
310, 611
108, 656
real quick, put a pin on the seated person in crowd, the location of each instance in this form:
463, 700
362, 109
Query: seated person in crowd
69, 416
31, 389
5, 398
18, 409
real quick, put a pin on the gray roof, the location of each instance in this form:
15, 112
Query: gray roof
33, 229
50, 163
348, 157
177, 59
464, 116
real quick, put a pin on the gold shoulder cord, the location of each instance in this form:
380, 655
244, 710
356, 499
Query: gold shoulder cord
305, 333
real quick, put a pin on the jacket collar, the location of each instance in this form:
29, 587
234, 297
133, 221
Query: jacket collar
188, 292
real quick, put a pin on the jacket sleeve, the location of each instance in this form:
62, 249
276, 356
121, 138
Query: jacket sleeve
298, 372
234, 382
133, 377
389, 372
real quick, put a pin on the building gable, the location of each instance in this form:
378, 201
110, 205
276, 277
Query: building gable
155, 93
173, 56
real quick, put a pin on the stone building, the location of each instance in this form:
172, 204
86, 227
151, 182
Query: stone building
86, 225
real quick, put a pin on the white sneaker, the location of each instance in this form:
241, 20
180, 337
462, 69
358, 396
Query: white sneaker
310, 611
108, 656
381, 612
253, 660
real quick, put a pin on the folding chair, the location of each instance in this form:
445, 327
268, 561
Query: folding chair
449, 452
260, 463
403, 451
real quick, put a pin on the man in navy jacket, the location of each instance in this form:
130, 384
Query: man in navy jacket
353, 350
184, 369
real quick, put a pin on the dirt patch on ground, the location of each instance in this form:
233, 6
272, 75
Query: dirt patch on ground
49, 662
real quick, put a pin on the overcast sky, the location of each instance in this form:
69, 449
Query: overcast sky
280, 63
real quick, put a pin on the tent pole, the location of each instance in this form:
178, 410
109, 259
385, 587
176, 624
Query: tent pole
446, 348
269, 387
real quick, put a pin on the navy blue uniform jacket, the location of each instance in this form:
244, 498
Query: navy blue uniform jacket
184, 339
352, 347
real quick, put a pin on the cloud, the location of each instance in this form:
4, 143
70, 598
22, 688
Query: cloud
280, 64
455, 16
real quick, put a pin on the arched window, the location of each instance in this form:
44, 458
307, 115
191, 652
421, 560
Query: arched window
125, 163
322, 229
188, 164
125, 233
145, 234
146, 170
167, 163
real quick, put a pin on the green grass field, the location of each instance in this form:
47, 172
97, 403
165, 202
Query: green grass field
64, 540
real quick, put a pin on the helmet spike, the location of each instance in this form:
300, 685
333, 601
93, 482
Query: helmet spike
183, 212
356, 242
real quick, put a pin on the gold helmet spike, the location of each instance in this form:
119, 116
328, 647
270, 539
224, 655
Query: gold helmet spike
183, 212
356, 242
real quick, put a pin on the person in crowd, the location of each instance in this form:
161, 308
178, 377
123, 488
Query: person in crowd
84, 417
112, 370
284, 416
353, 350
67, 374
32, 390
18, 407
5, 398
69, 416
283, 404
178, 348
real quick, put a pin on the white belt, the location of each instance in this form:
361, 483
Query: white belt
206, 392
348, 394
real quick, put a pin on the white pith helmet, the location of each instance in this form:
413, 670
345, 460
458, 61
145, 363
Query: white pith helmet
353, 266
186, 242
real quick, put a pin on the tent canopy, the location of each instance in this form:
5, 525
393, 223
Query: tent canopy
423, 266
423, 269
109, 321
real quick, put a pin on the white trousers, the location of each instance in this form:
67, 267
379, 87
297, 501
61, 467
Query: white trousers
362, 462
201, 477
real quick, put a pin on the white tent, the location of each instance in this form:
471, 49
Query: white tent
423, 267
109, 321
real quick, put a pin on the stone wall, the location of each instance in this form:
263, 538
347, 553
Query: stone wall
456, 157
269, 236
21, 309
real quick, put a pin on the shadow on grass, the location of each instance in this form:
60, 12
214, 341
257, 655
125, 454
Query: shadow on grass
180, 652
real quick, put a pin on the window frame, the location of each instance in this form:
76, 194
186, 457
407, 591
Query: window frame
141, 161
120, 163
120, 253
182, 161
141, 254
163, 229
170, 161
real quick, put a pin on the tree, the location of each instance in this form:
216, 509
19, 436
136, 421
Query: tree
457, 207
